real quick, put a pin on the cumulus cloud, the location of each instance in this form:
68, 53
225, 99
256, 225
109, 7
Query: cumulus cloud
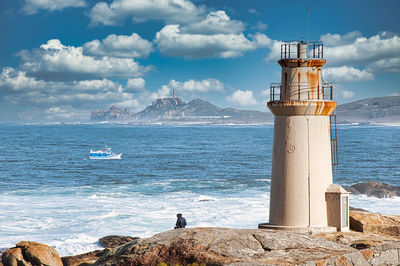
55, 61
136, 84
61, 99
346, 74
331, 40
162, 92
119, 46
198, 86
274, 51
385, 65
172, 42
378, 53
190, 31
242, 98
215, 22
33, 6
260, 26
363, 51
170, 11
13, 80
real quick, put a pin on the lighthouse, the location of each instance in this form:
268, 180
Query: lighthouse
302, 196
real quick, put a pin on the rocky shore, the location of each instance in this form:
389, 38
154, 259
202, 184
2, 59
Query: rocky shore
374, 239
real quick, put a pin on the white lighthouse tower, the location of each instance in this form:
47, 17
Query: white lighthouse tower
303, 197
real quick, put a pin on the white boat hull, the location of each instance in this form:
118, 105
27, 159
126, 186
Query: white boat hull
111, 157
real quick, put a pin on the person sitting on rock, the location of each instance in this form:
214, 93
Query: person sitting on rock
180, 222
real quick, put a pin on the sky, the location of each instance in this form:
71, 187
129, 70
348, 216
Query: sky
60, 59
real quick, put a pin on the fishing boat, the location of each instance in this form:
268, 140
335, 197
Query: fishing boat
104, 154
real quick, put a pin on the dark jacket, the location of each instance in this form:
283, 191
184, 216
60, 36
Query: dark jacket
181, 222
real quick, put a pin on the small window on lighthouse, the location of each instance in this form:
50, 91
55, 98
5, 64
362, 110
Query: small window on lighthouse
345, 206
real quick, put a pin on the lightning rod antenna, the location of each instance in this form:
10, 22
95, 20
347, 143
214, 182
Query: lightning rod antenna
308, 24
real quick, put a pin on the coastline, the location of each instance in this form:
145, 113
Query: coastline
373, 238
227, 246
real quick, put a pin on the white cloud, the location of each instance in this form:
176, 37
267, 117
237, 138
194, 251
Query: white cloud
346, 74
172, 42
13, 80
163, 92
274, 53
331, 40
55, 61
363, 51
346, 94
378, 53
190, 32
260, 26
33, 6
395, 94
198, 86
385, 65
170, 11
242, 98
253, 11
266, 93
136, 84
119, 46
61, 99
215, 22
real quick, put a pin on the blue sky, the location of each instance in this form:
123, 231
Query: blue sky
59, 59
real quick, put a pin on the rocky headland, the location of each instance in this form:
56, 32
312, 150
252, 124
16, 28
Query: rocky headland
369, 111
114, 113
175, 110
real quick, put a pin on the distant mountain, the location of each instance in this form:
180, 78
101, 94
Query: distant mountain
371, 110
175, 110
161, 109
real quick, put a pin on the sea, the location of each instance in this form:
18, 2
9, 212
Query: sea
215, 175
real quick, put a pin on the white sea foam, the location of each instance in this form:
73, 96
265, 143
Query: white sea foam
73, 224
372, 204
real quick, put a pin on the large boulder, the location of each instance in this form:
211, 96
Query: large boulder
375, 189
31, 253
222, 246
375, 223
115, 241
82, 259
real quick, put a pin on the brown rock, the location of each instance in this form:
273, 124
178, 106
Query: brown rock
82, 259
367, 253
342, 261
14, 257
375, 189
221, 246
115, 241
367, 222
31, 253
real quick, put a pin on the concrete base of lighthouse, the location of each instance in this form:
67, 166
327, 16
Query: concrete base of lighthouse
314, 230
